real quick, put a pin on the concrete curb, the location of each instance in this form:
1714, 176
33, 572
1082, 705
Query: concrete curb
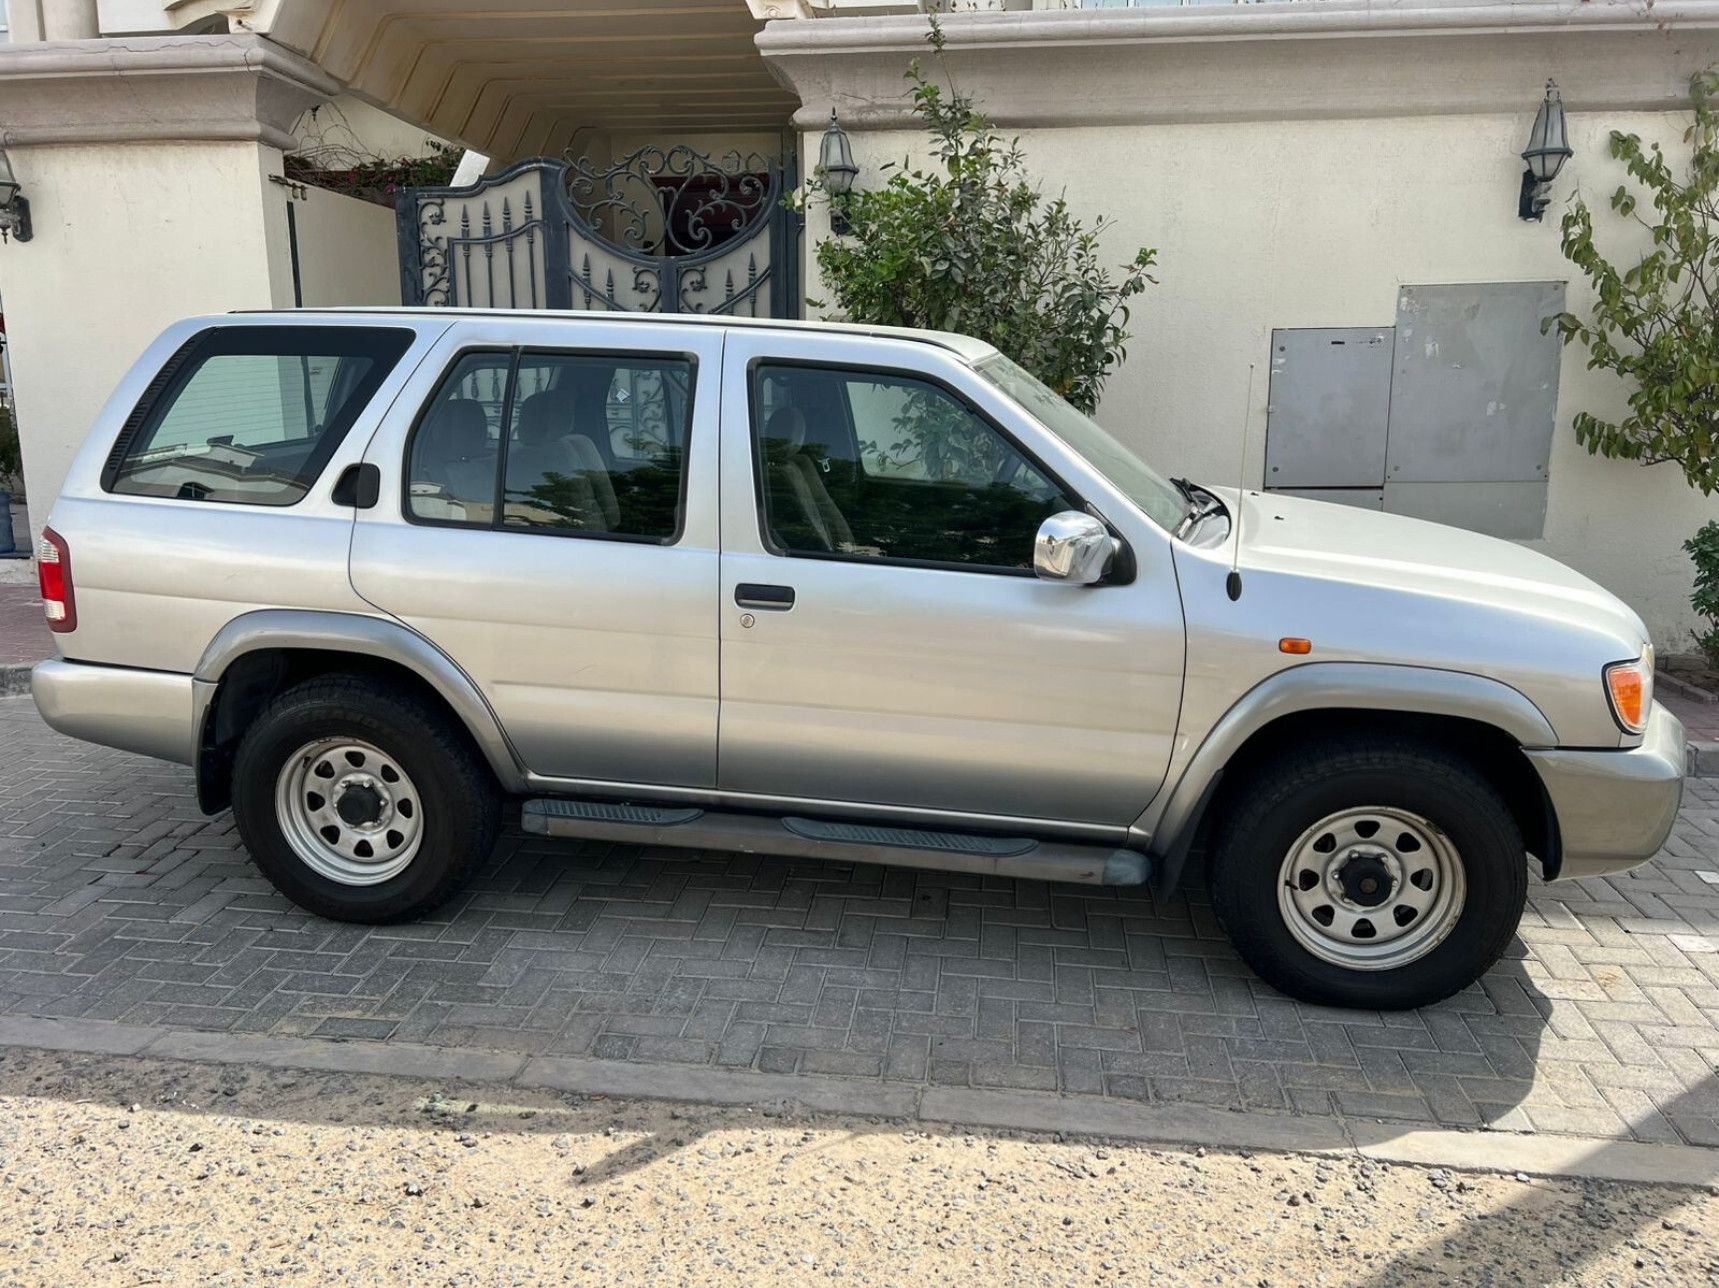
14, 679
1173, 1125
1682, 688
1704, 759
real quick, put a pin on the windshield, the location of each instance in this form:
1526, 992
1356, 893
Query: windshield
1162, 501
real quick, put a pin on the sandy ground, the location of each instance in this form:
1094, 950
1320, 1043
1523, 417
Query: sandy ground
147, 1172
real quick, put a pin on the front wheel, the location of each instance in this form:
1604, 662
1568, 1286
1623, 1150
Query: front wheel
1375, 873
361, 802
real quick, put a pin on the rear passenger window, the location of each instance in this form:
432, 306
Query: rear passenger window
451, 473
251, 415
580, 444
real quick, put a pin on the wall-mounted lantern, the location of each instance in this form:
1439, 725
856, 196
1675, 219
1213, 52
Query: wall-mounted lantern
836, 164
14, 205
1548, 148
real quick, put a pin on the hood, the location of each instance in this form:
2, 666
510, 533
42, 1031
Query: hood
1363, 586
1366, 547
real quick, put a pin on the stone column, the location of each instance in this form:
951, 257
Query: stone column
54, 20
147, 163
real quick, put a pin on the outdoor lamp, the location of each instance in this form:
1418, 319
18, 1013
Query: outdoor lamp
1548, 148
836, 162
14, 206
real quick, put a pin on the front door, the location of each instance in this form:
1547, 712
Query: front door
548, 519
884, 640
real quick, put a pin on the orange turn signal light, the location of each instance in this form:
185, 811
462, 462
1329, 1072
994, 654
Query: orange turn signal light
1291, 644
1627, 686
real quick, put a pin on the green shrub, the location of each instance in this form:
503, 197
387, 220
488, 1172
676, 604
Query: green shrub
11, 455
972, 245
1703, 548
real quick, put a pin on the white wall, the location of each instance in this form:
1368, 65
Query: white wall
1316, 223
350, 124
348, 252
128, 238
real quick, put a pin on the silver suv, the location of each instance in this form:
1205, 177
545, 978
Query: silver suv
831, 592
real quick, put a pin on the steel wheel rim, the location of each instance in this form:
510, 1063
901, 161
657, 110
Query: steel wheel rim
349, 811
1372, 888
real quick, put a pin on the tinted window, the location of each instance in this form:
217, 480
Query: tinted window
584, 443
451, 470
885, 466
252, 414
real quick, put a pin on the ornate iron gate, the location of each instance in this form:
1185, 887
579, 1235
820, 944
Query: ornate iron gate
663, 230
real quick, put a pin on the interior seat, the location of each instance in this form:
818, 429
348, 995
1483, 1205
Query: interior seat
796, 479
543, 445
455, 453
590, 461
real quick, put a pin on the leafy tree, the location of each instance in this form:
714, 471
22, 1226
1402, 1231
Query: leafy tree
972, 245
1657, 323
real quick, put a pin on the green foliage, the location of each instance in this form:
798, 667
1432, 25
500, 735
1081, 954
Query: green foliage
1703, 548
1657, 323
972, 245
376, 179
11, 455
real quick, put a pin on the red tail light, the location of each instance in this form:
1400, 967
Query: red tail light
54, 573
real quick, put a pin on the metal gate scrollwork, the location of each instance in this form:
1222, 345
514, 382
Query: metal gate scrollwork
662, 230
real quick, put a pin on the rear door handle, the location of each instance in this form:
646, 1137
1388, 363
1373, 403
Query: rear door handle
775, 599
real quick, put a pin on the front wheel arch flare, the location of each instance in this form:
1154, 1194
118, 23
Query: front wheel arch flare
1491, 750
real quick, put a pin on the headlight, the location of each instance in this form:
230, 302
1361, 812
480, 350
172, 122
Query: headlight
1629, 685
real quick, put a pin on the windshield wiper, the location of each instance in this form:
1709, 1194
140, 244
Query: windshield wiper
1200, 503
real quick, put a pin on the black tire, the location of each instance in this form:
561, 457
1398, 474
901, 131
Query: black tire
460, 817
1289, 794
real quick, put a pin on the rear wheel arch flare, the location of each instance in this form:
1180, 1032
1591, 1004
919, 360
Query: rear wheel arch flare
258, 655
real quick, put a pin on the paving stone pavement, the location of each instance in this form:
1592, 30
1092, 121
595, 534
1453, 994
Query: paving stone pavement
120, 901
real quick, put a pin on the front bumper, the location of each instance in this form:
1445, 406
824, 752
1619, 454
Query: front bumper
1615, 808
149, 712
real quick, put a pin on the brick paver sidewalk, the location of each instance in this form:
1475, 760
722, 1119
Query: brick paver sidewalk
1700, 719
24, 635
119, 901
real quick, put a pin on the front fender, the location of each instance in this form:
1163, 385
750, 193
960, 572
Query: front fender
1168, 824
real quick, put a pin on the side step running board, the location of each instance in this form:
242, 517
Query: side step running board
809, 838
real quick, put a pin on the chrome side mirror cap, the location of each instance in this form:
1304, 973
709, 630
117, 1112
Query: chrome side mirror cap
1074, 548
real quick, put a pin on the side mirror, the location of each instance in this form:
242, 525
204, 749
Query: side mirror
1074, 548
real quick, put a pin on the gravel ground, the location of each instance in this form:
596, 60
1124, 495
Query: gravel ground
132, 1172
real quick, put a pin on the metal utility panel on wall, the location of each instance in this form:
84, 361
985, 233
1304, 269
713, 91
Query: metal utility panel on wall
1330, 404
1447, 416
1474, 397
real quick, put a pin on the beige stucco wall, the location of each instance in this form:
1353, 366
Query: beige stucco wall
1316, 223
128, 238
348, 252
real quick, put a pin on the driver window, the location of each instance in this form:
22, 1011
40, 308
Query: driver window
879, 466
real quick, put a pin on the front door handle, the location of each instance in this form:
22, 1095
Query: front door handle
774, 599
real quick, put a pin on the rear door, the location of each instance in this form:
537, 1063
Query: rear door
884, 641
548, 518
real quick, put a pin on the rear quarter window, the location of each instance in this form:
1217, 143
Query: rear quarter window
251, 415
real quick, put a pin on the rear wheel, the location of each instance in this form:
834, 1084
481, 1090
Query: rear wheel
1375, 873
361, 802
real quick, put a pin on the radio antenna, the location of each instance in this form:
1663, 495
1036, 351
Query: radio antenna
1232, 583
